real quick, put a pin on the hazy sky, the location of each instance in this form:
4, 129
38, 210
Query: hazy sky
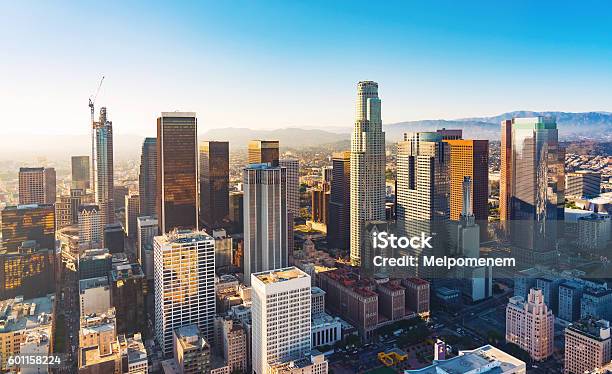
270, 64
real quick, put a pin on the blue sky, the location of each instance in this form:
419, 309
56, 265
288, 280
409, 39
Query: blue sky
272, 64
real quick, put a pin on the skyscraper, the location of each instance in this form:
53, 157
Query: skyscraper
37, 186
214, 184
184, 284
423, 190
263, 151
265, 219
338, 229
281, 315
293, 184
91, 228
103, 167
80, 172
148, 229
505, 170
147, 178
367, 166
469, 158
536, 184
293, 198
177, 171
530, 325
28, 222
132, 211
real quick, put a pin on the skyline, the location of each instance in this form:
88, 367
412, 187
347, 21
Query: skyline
430, 62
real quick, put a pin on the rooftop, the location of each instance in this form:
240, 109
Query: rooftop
18, 314
486, 359
85, 284
183, 237
280, 275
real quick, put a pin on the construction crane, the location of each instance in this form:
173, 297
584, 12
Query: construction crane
92, 99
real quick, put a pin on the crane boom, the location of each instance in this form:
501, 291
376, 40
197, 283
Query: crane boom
92, 99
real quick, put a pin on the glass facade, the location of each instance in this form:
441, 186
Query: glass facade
177, 182
214, 184
28, 222
537, 189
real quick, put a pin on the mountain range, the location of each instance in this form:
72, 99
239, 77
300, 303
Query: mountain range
572, 126
595, 126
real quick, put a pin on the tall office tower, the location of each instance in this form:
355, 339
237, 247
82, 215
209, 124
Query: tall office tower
27, 271
184, 276
132, 211
583, 184
263, 152
265, 219
148, 229
587, 346
128, 288
537, 186
293, 184
476, 281
281, 317
78, 197
236, 209
338, 230
147, 177
293, 198
192, 352
505, 169
80, 172
103, 167
469, 158
423, 191
177, 171
450, 134
63, 212
367, 167
37, 186
119, 196
319, 199
327, 174
91, 228
21, 223
214, 184
530, 325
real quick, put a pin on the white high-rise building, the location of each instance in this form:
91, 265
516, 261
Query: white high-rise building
148, 229
184, 267
293, 184
367, 166
91, 228
281, 317
265, 219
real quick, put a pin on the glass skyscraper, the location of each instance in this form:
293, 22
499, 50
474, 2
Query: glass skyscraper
177, 163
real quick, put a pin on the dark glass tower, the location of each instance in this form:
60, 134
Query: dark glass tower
177, 171
214, 184
147, 178
340, 201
